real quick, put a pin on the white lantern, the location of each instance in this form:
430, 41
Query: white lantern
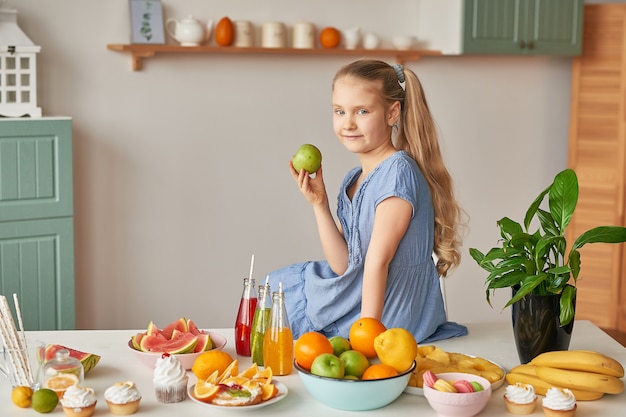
18, 69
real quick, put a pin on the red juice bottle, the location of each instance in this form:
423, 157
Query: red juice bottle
245, 315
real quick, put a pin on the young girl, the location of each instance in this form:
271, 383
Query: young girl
394, 211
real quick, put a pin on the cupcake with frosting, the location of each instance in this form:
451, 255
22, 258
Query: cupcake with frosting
170, 379
122, 398
559, 403
78, 401
520, 398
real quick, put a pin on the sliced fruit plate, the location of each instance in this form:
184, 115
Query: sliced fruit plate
181, 338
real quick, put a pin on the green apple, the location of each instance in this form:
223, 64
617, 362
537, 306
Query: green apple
354, 363
328, 365
352, 377
307, 157
340, 344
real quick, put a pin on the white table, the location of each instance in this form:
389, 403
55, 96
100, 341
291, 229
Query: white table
493, 341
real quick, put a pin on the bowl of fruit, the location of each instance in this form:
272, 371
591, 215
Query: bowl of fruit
366, 371
456, 394
181, 338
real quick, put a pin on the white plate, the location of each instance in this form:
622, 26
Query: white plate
494, 386
282, 393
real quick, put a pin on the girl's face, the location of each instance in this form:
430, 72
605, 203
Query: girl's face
361, 119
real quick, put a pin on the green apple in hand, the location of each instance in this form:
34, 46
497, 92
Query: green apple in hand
354, 363
340, 344
307, 157
328, 365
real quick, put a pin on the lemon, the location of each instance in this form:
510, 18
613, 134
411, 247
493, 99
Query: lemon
396, 347
22, 396
45, 400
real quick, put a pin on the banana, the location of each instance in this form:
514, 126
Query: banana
541, 386
580, 360
526, 368
587, 381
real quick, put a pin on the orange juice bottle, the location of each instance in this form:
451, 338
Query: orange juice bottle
278, 341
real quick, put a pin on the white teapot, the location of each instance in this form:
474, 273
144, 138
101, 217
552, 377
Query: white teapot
189, 31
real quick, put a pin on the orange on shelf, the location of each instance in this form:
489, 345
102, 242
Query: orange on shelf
330, 37
224, 32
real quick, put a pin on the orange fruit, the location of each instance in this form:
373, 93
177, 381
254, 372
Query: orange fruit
379, 371
205, 391
59, 383
209, 362
362, 335
309, 346
330, 37
269, 391
264, 376
224, 32
250, 372
396, 347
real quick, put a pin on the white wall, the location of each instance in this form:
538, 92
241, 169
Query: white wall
181, 169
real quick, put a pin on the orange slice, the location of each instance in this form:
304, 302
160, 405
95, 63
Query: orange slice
264, 376
205, 391
231, 370
250, 372
59, 383
212, 379
269, 391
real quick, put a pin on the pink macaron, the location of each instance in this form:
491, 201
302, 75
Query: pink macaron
463, 386
429, 378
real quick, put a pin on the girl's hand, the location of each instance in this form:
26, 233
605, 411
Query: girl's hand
312, 188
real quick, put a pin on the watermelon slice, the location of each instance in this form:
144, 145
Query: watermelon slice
204, 343
181, 343
179, 325
88, 360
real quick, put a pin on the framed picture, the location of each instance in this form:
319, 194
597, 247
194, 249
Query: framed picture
146, 21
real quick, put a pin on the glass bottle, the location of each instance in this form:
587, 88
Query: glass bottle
261, 322
278, 341
245, 315
61, 372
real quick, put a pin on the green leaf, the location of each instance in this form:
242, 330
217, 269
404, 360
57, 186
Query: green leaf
574, 263
563, 197
548, 224
601, 234
530, 213
509, 227
528, 285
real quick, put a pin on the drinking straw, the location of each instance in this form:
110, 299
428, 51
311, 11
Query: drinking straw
251, 267
23, 343
10, 338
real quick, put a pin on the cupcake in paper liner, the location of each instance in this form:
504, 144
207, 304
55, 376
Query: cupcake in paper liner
170, 380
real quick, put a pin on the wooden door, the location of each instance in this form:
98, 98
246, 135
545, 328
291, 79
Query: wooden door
597, 152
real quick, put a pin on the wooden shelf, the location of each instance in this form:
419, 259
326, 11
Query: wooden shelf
140, 51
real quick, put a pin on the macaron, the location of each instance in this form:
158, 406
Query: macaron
477, 386
444, 386
429, 378
463, 386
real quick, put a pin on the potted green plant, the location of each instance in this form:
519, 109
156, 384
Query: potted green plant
541, 263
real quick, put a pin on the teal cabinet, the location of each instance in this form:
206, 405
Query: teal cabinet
36, 220
523, 27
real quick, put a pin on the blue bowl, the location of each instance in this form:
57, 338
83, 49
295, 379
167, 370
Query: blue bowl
354, 395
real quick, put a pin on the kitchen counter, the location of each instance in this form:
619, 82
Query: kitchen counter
493, 341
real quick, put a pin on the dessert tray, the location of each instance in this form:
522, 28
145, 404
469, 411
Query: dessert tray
282, 393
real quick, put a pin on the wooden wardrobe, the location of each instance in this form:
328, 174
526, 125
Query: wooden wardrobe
597, 152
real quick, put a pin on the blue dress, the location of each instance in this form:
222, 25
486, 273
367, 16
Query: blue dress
317, 299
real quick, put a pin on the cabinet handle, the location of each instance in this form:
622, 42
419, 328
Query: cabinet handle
522, 44
530, 45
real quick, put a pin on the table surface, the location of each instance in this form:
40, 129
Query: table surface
493, 341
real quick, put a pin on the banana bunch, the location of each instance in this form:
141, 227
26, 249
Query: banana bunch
589, 375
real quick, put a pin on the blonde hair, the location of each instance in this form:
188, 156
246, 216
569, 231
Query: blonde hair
417, 135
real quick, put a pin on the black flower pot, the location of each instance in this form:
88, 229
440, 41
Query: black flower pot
537, 327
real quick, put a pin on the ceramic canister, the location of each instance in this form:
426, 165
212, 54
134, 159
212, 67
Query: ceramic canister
244, 34
273, 35
303, 35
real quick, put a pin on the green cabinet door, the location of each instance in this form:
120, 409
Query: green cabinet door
523, 27
36, 220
